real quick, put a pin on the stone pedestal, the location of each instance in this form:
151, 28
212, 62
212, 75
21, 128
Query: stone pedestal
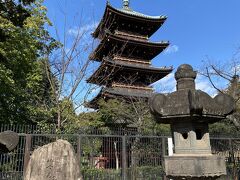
193, 166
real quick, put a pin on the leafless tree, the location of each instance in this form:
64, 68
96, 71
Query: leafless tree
218, 73
68, 68
229, 72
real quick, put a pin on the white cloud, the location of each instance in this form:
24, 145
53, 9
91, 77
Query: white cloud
171, 49
238, 68
168, 85
204, 85
165, 85
85, 29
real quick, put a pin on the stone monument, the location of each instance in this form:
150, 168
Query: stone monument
189, 111
54, 161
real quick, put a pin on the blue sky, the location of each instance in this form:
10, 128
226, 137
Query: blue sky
196, 29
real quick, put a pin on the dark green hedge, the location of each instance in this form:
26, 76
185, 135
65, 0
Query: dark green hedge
140, 173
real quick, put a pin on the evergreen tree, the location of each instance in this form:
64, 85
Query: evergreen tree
130, 113
24, 92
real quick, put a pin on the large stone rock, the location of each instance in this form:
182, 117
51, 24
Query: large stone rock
55, 161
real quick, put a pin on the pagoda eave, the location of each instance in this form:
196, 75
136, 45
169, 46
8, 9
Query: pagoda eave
113, 16
109, 93
112, 70
144, 49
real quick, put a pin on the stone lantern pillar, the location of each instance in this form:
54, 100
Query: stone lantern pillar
189, 111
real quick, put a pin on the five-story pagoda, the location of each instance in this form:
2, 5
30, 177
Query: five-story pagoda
125, 53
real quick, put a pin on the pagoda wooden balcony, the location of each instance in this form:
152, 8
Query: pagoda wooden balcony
131, 36
116, 71
136, 87
118, 45
132, 60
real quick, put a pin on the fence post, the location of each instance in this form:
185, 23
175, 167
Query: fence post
124, 158
163, 154
234, 169
79, 155
27, 151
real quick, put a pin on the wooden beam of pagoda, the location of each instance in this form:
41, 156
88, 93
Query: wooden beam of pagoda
131, 48
110, 71
131, 60
146, 88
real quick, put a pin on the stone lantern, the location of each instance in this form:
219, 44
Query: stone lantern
189, 111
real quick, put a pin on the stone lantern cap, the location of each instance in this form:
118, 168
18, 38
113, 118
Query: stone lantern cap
189, 104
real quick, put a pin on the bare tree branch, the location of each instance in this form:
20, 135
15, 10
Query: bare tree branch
210, 80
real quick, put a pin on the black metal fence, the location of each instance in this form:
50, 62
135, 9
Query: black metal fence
114, 155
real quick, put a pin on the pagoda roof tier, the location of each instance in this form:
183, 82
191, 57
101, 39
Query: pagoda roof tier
128, 20
120, 72
113, 44
126, 93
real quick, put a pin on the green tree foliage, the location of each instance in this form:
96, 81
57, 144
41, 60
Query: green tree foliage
15, 12
24, 92
41, 106
224, 127
118, 113
83, 122
135, 113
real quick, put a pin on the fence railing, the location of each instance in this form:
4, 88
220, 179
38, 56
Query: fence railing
52, 129
112, 156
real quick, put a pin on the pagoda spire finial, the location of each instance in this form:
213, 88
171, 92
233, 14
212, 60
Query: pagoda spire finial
126, 4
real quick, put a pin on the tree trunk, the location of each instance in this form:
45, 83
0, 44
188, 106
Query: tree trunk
116, 155
59, 119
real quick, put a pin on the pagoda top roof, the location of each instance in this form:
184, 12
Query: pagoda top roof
128, 13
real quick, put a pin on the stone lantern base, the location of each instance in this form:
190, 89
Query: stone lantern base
195, 167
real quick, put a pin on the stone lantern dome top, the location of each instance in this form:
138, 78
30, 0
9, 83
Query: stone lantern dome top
185, 71
185, 77
189, 104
